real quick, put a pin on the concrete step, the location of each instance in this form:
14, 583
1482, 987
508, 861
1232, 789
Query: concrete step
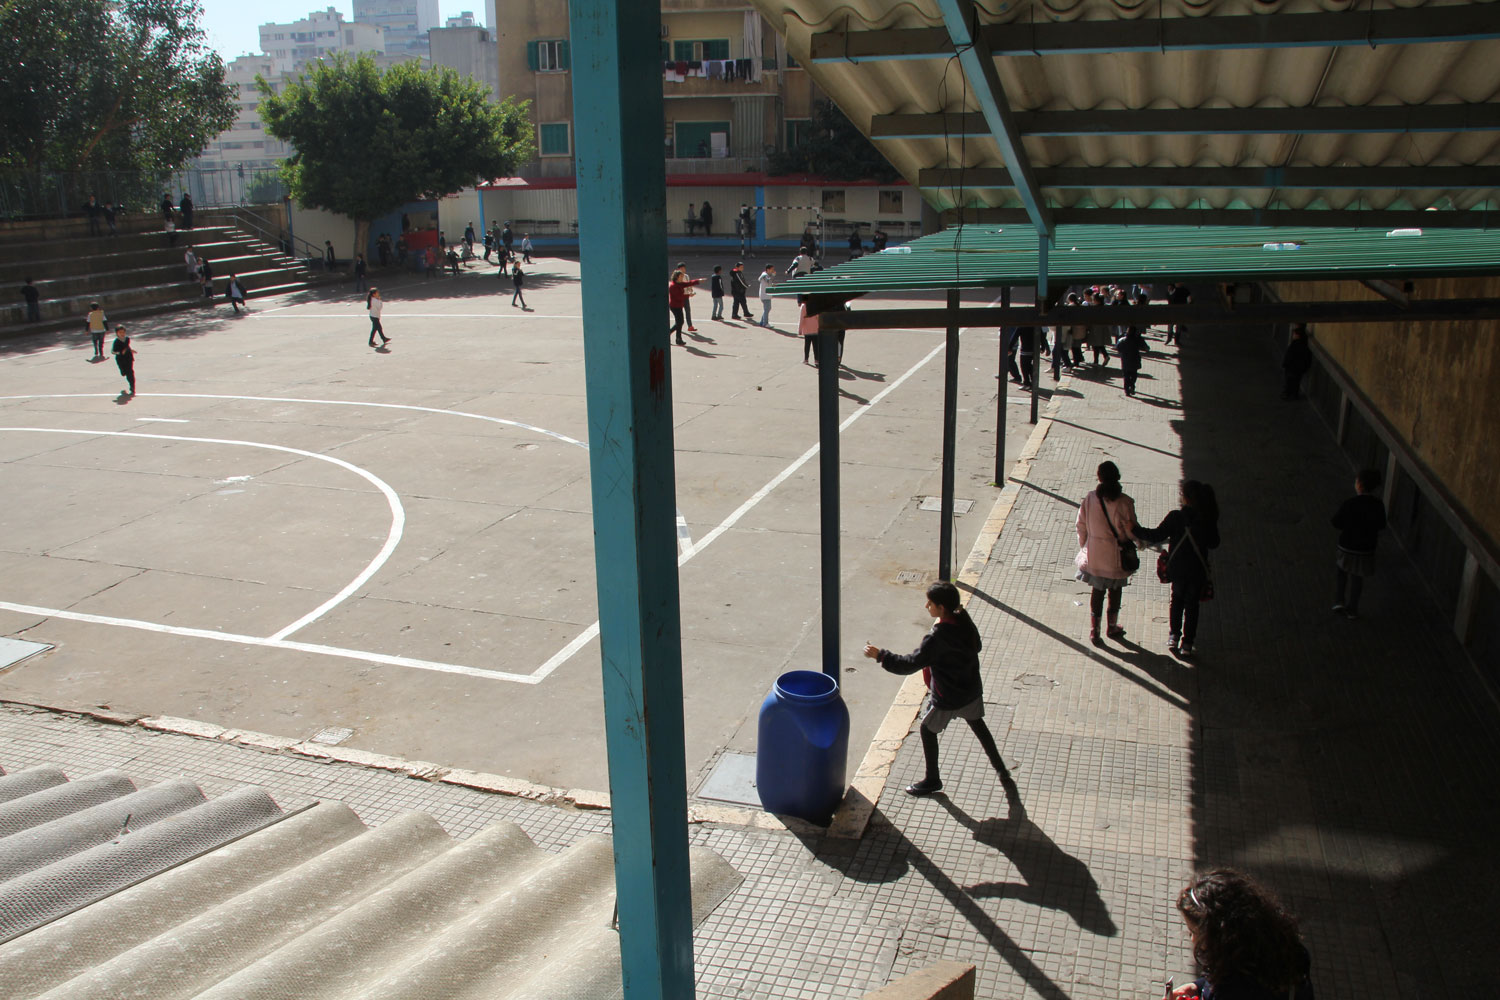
22, 251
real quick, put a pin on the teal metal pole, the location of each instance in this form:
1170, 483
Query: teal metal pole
617, 116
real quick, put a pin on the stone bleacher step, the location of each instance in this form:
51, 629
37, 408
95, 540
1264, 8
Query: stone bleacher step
316, 905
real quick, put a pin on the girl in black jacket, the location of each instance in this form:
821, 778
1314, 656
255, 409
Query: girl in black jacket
1189, 532
949, 660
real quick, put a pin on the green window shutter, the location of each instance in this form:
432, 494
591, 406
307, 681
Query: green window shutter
716, 48
682, 51
533, 61
564, 60
666, 51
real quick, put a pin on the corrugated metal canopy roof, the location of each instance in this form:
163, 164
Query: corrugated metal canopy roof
1218, 105
977, 256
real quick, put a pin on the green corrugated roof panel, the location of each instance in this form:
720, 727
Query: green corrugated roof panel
986, 256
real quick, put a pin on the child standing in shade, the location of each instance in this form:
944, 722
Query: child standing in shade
1360, 520
948, 657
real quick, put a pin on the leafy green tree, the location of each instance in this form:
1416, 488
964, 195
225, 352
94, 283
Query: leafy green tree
107, 85
833, 148
367, 142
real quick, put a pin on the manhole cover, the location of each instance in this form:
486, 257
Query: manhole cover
936, 503
732, 780
332, 735
909, 576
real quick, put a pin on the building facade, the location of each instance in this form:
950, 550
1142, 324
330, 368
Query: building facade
244, 154
732, 95
293, 45
405, 23
470, 51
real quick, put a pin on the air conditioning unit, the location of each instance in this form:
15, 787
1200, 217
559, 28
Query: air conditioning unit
665, 31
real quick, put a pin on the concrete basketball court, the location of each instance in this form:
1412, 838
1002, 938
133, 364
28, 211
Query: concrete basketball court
286, 531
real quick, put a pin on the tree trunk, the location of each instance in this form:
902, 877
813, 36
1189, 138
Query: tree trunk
361, 238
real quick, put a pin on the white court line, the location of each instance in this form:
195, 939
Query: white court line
162, 420
35, 354
255, 640
398, 513
588, 634
357, 311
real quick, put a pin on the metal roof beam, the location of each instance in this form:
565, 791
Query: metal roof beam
1250, 313
1202, 121
979, 68
1452, 23
1336, 218
1351, 178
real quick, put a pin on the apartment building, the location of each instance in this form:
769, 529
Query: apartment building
469, 50
291, 46
405, 23
245, 149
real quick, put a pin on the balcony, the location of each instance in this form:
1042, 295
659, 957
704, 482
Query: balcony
769, 85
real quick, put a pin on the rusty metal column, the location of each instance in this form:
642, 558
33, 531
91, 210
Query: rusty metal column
826, 348
950, 434
1004, 394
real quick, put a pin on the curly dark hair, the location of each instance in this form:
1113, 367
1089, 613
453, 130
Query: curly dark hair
1240, 929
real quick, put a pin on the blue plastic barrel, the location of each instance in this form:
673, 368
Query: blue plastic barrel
803, 751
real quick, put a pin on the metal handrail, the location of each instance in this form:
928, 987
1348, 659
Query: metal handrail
258, 227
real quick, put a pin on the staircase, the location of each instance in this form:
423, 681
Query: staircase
108, 891
136, 272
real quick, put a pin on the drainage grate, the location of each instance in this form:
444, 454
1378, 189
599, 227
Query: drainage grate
13, 651
332, 735
909, 576
936, 503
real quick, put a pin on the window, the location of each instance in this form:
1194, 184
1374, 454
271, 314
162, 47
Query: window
553, 138
890, 202
694, 140
833, 201
550, 56
797, 131
698, 50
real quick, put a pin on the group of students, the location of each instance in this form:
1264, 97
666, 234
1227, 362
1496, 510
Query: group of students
680, 289
1109, 535
200, 270
98, 324
1065, 343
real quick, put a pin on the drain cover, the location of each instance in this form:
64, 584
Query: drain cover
732, 780
332, 735
936, 503
15, 650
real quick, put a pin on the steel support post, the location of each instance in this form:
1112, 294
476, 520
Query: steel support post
1043, 244
1004, 395
950, 434
617, 115
826, 352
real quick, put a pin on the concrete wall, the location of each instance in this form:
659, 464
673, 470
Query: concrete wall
316, 225
457, 211
1434, 383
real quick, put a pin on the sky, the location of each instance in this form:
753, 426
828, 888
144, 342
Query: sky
233, 26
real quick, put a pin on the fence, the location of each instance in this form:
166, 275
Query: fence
54, 195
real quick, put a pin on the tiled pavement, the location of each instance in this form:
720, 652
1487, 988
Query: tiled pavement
1352, 765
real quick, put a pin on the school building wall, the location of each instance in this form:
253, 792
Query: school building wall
1418, 401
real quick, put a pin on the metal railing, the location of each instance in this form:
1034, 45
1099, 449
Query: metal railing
291, 244
51, 195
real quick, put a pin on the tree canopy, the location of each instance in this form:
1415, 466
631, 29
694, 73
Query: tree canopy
107, 85
367, 142
833, 148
